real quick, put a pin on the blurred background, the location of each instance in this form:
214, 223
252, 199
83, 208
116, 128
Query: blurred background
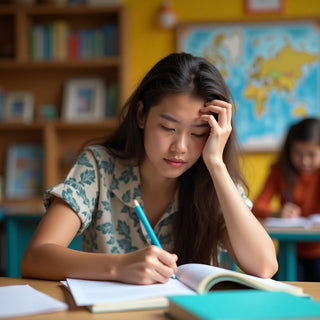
66, 67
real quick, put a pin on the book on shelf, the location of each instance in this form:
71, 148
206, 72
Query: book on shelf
311, 221
24, 171
191, 279
243, 304
110, 39
61, 34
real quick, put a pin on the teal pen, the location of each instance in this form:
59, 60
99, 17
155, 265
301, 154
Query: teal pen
147, 226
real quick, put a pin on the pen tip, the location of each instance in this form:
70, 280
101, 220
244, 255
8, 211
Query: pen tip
135, 202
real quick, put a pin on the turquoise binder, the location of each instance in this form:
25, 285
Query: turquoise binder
243, 304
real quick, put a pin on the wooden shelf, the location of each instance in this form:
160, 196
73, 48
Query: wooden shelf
113, 62
61, 140
17, 126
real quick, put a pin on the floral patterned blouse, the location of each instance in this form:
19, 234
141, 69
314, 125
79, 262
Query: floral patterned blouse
101, 191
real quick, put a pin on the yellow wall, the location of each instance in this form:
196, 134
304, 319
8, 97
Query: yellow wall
149, 43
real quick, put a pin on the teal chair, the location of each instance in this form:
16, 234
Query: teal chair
19, 230
225, 261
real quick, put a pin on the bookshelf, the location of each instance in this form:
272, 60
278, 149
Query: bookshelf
45, 78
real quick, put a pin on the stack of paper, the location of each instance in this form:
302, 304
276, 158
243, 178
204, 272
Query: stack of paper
22, 300
108, 296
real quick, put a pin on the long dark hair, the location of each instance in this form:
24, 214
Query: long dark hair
198, 222
307, 130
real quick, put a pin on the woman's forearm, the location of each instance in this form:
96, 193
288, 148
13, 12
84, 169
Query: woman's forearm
54, 262
251, 244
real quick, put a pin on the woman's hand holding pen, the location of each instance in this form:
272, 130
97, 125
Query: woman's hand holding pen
219, 129
146, 266
290, 210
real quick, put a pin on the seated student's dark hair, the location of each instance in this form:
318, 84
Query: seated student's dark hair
306, 130
198, 222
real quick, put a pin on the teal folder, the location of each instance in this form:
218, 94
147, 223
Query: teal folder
243, 304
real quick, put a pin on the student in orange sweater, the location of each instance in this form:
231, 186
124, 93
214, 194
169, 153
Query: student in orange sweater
295, 178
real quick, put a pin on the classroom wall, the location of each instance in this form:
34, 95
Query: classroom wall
149, 43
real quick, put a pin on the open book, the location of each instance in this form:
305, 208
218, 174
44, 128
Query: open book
311, 221
191, 279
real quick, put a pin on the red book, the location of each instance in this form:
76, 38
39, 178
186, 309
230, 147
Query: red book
73, 46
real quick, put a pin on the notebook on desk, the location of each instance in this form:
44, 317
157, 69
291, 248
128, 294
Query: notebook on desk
311, 221
242, 305
191, 279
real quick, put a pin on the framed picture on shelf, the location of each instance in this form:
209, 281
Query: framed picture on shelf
24, 171
84, 99
18, 106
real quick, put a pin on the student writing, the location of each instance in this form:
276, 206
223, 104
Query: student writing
295, 179
174, 152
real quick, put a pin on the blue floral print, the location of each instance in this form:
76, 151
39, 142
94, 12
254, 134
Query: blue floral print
100, 190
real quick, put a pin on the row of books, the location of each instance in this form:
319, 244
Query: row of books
58, 41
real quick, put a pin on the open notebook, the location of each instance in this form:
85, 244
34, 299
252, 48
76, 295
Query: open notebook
191, 279
311, 221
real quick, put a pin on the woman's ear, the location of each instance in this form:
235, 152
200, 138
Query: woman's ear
140, 115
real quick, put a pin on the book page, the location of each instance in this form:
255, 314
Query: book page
88, 292
192, 274
202, 278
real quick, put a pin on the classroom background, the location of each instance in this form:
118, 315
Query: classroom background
149, 43
145, 43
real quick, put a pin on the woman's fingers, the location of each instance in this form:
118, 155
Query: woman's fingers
147, 266
290, 210
222, 108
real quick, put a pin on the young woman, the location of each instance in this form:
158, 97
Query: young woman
295, 179
175, 153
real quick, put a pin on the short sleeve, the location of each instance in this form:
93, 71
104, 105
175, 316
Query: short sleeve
247, 201
80, 189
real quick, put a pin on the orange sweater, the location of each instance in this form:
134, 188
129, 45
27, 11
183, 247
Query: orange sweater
306, 195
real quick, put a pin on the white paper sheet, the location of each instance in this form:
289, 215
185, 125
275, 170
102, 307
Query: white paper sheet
87, 292
21, 300
300, 222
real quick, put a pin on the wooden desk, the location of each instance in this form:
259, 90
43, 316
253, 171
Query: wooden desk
56, 290
287, 257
